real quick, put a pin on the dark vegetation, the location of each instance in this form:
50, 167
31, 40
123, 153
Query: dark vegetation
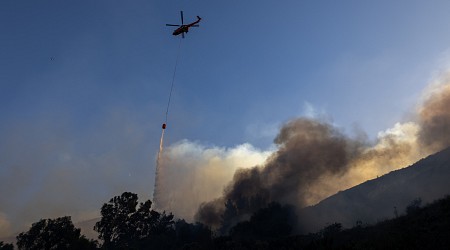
128, 224
59, 233
420, 228
6, 246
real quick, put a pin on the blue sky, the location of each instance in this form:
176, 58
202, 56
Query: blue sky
97, 107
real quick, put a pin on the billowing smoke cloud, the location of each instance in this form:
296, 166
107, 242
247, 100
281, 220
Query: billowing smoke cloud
434, 117
307, 150
46, 170
193, 173
314, 160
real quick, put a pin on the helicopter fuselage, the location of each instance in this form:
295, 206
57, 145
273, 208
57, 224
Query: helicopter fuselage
182, 29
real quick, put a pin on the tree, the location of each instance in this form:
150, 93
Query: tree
114, 227
196, 236
124, 226
229, 217
414, 206
331, 230
6, 246
59, 233
271, 222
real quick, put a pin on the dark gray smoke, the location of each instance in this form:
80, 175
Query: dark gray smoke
314, 157
308, 149
434, 119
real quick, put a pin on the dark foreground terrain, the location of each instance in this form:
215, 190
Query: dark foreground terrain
425, 227
420, 228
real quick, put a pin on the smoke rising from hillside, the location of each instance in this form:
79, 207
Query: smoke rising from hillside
434, 117
46, 163
307, 149
314, 160
194, 173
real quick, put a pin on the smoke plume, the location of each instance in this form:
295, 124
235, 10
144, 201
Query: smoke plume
434, 117
315, 160
193, 173
307, 150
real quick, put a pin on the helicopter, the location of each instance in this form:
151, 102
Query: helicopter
184, 28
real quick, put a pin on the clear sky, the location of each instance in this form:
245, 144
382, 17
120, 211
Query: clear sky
84, 84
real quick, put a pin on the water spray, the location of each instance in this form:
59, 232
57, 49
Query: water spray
158, 171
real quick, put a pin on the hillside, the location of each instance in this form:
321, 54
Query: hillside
382, 198
422, 228
426, 228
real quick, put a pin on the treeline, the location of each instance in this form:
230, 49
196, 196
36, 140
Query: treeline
420, 228
127, 224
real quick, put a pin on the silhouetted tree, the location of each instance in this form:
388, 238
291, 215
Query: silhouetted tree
122, 226
358, 224
331, 230
270, 222
193, 236
228, 217
414, 206
395, 212
6, 246
59, 233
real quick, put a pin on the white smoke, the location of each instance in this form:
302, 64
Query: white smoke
195, 173
400, 146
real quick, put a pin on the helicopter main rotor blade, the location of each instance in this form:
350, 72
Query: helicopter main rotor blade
182, 19
195, 25
173, 25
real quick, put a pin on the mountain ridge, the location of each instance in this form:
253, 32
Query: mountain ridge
383, 197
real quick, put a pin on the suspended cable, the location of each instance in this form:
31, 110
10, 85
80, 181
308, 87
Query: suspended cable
173, 81
158, 173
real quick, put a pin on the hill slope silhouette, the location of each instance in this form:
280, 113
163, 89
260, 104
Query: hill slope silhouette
384, 197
